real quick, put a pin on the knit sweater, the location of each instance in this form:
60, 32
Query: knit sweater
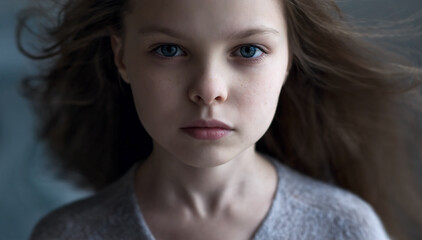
302, 209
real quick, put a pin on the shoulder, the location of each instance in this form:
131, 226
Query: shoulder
330, 211
66, 222
103, 214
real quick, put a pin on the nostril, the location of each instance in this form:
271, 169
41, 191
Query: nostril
198, 98
220, 99
208, 92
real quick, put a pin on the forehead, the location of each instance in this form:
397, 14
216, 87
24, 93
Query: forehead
207, 18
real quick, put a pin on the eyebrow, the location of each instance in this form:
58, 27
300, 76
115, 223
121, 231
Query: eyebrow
151, 30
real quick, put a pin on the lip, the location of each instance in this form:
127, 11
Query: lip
207, 129
202, 123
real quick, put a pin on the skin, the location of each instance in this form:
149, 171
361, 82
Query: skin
188, 188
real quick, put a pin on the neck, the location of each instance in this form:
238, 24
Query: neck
202, 191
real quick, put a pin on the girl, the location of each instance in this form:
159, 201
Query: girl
214, 119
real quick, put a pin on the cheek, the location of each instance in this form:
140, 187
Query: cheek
154, 96
260, 98
265, 83
264, 90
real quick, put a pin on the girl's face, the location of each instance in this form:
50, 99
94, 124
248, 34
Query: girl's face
193, 60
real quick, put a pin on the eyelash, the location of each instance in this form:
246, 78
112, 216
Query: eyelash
251, 60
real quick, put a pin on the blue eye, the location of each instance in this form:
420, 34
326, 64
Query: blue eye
172, 50
250, 51
168, 50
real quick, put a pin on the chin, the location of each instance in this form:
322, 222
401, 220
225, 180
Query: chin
205, 160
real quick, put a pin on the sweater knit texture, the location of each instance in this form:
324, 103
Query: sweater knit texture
302, 209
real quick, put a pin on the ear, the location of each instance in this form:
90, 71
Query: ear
118, 50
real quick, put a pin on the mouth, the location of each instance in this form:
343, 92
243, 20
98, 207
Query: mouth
207, 129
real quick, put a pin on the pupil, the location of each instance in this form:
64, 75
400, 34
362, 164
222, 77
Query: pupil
248, 52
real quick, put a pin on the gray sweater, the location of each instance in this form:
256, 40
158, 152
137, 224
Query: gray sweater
302, 208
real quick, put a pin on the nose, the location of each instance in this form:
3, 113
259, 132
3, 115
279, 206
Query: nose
209, 86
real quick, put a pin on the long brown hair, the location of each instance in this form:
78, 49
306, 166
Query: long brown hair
343, 116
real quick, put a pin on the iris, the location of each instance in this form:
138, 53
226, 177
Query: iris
169, 50
248, 51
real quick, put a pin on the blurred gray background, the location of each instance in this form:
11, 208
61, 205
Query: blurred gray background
28, 189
